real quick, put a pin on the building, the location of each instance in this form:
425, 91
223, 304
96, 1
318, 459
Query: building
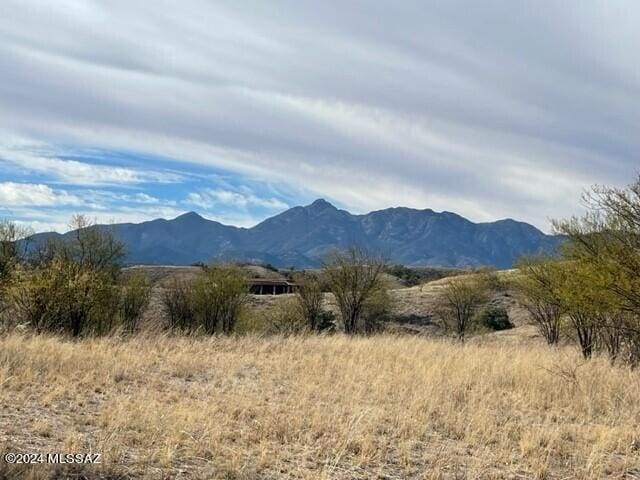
263, 286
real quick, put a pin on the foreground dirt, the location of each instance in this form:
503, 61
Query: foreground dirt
391, 407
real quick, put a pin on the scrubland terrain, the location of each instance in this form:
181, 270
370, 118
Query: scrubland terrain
405, 403
412, 308
383, 406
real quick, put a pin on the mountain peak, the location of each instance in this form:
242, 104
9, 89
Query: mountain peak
321, 204
189, 216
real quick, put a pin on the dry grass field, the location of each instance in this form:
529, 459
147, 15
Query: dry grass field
315, 407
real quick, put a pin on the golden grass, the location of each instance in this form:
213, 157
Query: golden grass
318, 407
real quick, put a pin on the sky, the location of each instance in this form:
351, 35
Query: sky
132, 110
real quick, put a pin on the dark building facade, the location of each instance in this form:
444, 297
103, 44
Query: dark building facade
260, 286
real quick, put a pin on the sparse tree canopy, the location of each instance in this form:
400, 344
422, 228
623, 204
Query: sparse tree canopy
91, 246
178, 306
219, 294
603, 247
459, 302
136, 292
538, 291
94, 246
595, 288
584, 303
608, 239
310, 297
11, 252
354, 276
65, 297
72, 287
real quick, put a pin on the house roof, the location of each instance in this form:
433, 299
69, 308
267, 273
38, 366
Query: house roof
270, 282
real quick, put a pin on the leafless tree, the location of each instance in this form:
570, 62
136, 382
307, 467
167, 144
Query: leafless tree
460, 300
13, 246
309, 297
354, 276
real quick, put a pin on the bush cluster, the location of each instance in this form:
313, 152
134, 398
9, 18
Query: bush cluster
74, 286
494, 317
591, 291
210, 304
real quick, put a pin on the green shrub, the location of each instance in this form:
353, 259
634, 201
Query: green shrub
134, 299
212, 303
178, 306
219, 294
459, 302
285, 317
251, 321
495, 318
410, 277
354, 276
70, 286
310, 297
64, 297
326, 322
376, 309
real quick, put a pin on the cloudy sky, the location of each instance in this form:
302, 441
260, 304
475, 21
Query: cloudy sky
133, 110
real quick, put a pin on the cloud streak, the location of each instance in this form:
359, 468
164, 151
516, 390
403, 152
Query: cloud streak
30, 194
210, 198
44, 160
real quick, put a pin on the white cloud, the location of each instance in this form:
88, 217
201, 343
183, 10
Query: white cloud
209, 198
31, 194
57, 219
42, 159
145, 198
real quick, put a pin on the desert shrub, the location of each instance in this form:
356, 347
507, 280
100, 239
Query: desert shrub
377, 309
459, 302
630, 348
134, 299
493, 281
251, 321
309, 296
178, 306
603, 290
13, 249
593, 291
354, 276
583, 302
409, 276
218, 295
13, 245
71, 288
494, 318
538, 291
212, 303
326, 322
607, 238
63, 297
88, 245
285, 317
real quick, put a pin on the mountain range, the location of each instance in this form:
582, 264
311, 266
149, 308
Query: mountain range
300, 236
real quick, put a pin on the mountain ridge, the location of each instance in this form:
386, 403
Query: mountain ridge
301, 235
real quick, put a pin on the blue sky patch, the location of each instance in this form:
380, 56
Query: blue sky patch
43, 186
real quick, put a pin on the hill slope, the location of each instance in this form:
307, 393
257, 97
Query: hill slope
301, 235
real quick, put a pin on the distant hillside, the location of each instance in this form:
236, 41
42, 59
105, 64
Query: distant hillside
301, 235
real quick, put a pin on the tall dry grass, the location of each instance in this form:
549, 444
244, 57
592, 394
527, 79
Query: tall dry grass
318, 407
